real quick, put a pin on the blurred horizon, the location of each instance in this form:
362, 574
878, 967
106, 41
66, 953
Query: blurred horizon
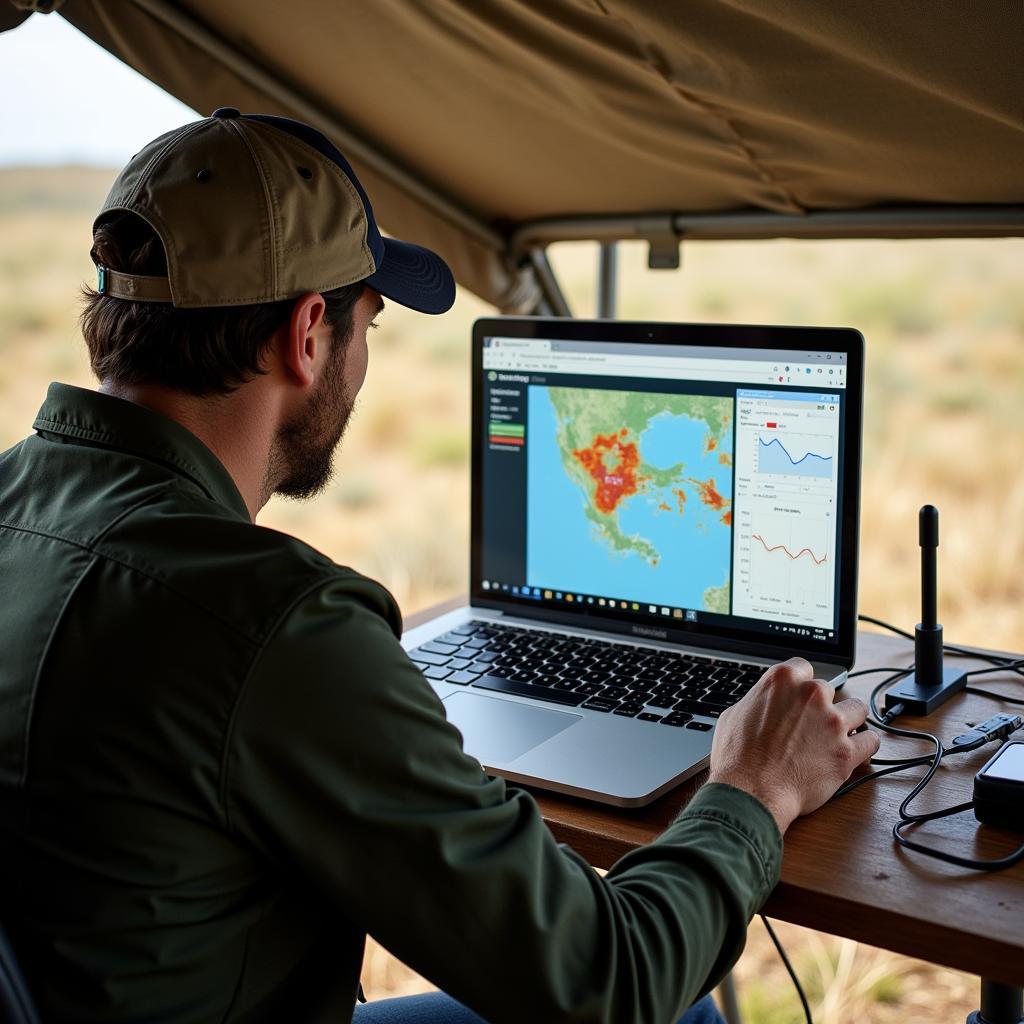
64, 125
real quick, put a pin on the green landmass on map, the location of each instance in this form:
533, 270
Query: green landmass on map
584, 413
716, 599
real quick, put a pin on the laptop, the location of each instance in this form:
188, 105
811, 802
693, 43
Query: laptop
659, 512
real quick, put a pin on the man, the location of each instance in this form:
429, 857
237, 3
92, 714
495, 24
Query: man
219, 770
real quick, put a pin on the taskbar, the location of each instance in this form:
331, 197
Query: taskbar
670, 616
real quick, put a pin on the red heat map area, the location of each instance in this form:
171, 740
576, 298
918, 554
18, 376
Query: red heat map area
616, 479
612, 462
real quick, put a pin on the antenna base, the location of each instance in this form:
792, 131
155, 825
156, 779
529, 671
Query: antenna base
918, 698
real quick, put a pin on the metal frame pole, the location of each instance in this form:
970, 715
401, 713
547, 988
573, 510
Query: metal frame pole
607, 279
550, 288
728, 1001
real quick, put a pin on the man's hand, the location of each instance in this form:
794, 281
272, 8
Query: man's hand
788, 744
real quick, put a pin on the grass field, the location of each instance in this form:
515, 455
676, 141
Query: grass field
944, 323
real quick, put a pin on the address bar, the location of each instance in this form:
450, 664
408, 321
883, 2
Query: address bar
550, 361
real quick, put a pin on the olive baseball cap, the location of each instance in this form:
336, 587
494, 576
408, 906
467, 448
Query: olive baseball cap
256, 208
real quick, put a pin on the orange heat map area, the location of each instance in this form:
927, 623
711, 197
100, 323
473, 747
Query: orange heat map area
612, 462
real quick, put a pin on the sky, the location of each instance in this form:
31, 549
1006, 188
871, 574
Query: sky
56, 87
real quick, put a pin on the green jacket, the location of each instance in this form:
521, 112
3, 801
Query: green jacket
219, 771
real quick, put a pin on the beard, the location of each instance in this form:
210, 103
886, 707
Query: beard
302, 462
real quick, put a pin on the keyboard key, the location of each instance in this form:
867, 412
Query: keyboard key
462, 678
437, 648
665, 701
712, 700
477, 642
646, 716
483, 666
545, 679
458, 663
428, 657
629, 710
600, 704
699, 726
466, 629
721, 690
691, 707
677, 718
551, 694
436, 672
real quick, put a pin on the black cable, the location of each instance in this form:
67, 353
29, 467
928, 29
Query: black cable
907, 819
963, 652
1012, 666
901, 764
993, 864
789, 967
992, 693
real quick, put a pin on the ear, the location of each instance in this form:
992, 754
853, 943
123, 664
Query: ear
303, 345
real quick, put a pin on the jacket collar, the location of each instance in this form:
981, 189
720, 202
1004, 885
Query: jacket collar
84, 415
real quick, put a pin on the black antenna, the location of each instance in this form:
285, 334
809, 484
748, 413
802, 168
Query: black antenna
931, 684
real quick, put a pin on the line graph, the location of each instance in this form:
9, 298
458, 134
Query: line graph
784, 566
796, 456
782, 547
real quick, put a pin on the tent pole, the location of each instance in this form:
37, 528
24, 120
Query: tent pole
607, 279
884, 222
549, 282
174, 17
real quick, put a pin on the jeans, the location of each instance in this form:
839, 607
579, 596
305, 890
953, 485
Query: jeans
437, 1008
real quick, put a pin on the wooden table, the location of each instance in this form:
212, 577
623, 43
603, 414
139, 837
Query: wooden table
841, 872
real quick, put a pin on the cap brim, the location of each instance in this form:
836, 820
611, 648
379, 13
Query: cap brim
415, 277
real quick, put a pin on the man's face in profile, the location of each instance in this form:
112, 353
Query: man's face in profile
305, 445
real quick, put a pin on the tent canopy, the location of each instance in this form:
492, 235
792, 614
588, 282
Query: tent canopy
488, 128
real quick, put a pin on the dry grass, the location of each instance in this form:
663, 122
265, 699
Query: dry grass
945, 328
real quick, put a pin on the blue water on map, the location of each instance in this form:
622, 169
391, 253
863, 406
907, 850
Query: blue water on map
565, 550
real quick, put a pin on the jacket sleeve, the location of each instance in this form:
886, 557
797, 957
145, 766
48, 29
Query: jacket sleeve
341, 766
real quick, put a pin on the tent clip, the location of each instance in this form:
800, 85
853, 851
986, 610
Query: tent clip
660, 233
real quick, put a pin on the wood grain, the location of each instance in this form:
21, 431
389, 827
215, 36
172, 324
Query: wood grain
842, 873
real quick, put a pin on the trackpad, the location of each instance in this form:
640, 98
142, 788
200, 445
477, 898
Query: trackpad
496, 731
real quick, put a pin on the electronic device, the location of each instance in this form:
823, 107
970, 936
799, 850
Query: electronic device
999, 788
931, 683
659, 512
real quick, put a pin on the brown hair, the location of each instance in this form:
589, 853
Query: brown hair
200, 351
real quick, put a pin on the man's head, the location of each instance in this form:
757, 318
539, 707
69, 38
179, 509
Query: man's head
239, 256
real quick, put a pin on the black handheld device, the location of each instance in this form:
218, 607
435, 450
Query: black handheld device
999, 788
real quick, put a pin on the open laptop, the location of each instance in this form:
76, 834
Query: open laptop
659, 512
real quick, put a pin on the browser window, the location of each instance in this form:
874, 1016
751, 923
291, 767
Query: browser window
664, 482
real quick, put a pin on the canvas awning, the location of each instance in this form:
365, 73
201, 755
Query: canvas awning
487, 128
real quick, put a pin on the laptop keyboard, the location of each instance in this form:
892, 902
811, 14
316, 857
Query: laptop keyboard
619, 679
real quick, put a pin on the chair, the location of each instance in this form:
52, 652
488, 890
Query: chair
16, 1005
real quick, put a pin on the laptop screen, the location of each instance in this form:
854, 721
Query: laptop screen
677, 486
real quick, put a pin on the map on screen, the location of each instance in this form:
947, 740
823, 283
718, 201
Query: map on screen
628, 494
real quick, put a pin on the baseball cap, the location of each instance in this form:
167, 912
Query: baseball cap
257, 208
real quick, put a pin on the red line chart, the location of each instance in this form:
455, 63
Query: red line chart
803, 551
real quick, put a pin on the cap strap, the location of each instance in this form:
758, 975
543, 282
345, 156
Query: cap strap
135, 287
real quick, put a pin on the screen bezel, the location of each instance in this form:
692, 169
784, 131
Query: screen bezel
737, 336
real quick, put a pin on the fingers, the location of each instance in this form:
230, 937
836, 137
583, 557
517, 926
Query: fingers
852, 713
796, 670
864, 745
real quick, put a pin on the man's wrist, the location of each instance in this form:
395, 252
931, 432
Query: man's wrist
777, 804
